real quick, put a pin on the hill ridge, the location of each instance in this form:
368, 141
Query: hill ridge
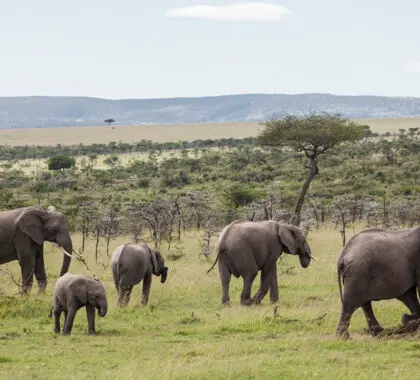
61, 111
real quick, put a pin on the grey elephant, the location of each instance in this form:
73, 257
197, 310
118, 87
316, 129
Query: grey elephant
376, 264
132, 263
72, 292
244, 248
22, 235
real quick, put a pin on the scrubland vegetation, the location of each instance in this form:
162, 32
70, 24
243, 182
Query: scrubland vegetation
177, 196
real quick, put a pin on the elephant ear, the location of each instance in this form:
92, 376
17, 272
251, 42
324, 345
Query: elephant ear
31, 224
288, 238
154, 262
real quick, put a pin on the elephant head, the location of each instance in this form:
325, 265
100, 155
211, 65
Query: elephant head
96, 296
39, 225
159, 268
294, 243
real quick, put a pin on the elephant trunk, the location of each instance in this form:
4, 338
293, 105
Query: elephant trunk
102, 308
68, 247
163, 274
305, 255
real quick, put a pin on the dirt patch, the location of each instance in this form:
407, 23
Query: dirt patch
412, 328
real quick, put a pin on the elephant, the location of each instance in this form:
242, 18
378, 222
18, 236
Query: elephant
378, 264
72, 292
246, 247
22, 235
131, 263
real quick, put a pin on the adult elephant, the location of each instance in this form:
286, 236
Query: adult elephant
22, 235
244, 248
375, 265
132, 263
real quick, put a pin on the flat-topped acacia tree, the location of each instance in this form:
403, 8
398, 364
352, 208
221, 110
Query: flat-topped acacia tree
109, 121
315, 134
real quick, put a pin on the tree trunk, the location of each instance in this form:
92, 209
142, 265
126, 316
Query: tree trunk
313, 167
96, 246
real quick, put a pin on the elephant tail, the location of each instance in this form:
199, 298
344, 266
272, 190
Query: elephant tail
51, 312
217, 259
339, 267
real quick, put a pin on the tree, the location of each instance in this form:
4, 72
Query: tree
314, 135
109, 121
60, 161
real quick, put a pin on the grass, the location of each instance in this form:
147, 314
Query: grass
162, 133
184, 333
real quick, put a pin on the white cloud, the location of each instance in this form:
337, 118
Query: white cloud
251, 11
413, 67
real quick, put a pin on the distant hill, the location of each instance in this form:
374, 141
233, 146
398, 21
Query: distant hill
44, 111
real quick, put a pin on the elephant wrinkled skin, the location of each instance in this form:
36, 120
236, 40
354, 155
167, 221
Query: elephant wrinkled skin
72, 292
377, 265
22, 235
244, 248
132, 263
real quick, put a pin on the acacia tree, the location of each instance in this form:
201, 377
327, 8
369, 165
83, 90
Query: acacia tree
109, 121
313, 135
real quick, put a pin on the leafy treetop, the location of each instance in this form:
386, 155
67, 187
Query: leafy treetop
314, 134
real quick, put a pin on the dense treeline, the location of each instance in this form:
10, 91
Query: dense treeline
32, 151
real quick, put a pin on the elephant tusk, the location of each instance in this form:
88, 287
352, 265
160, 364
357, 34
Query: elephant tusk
65, 252
313, 258
80, 258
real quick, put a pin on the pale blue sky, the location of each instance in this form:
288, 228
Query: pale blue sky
137, 49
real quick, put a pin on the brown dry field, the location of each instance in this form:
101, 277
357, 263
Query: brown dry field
162, 133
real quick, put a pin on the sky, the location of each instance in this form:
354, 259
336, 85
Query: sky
193, 48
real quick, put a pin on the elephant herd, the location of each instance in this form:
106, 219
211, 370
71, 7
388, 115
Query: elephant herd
375, 264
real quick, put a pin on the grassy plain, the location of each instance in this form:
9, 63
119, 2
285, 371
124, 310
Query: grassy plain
183, 333
162, 133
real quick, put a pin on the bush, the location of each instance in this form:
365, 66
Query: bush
61, 161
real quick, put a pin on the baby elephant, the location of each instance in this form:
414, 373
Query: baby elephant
71, 292
132, 263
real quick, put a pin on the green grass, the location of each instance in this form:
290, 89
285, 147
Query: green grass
184, 333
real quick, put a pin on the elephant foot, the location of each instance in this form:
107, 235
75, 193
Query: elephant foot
42, 286
256, 301
92, 333
226, 304
57, 331
65, 333
25, 291
375, 330
247, 302
342, 333
407, 318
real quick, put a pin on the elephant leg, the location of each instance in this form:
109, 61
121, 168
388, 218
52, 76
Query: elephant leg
147, 281
90, 314
347, 310
57, 314
274, 288
27, 266
246, 291
225, 276
374, 327
71, 314
65, 317
266, 282
410, 300
40, 273
124, 295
